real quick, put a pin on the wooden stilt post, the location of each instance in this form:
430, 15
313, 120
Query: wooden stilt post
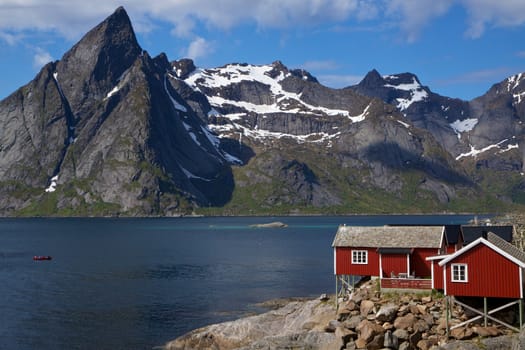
485, 311
447, 311
521, 313
336, 294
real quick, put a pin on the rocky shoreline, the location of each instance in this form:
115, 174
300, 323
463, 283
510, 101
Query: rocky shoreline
366, 320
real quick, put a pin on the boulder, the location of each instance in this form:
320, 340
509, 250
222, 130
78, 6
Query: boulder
461, 333
332, 326
421, 326
368, 330
345, 334
401, 334
426, 299
360, 343
429, 319
414, 338
376, 343
350, 346
391, 341
387, 326
422, 308
486, 331
387, 313
414, 309
324, 297
351, 305
404, 346
353, 322
405, 322
366, 307
425, 344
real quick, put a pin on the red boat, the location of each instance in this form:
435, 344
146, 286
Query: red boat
42, 257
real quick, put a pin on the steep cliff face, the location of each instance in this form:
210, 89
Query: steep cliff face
109, 130
103, 131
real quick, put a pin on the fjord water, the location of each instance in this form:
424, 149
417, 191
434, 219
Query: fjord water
138, 283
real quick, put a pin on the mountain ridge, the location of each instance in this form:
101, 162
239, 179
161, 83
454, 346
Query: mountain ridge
109, 130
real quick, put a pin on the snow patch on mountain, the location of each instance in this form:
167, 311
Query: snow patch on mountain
283, 100
514, 81
417, 93
52, 186
360, 117
262, 135
518, 97
406, 125
474, 152
464, 125
112, 92
232, 74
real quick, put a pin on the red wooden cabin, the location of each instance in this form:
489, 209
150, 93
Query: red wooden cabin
395, 254
487, 267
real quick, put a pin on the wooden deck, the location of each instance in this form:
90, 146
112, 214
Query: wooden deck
406, 283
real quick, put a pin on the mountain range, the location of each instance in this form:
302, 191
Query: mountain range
108, 130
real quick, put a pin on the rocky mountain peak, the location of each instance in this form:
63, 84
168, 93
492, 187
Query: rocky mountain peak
372, 79
304, 75
183, 67
98, 60
278, 69
402, 78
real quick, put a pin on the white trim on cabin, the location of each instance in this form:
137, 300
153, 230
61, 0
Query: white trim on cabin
442, 241
521, 282
432, 273
335, 261
445, 280
380, 265
488, 244
408, 264
437, 257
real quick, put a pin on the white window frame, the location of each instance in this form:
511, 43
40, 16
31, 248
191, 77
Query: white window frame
360, 257
459, 273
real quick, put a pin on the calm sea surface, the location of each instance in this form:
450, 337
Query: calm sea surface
138, 283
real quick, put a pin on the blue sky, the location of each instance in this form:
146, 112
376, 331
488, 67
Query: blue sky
459, 48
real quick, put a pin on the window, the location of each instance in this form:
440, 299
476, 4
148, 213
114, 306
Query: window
359, 257
459, 273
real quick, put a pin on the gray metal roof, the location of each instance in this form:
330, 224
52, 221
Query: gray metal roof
388, 236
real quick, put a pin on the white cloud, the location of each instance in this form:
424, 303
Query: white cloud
41, 58
413, 15
72, 18
483, 13
199, 47
9, 38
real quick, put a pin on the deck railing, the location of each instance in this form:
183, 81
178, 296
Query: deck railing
406, 283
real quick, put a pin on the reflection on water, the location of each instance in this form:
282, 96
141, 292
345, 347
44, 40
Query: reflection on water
137, 283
